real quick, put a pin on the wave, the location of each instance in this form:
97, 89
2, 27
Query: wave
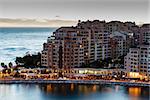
16, 49
16, 42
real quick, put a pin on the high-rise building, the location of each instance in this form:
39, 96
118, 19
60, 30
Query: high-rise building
138, 60
72, 49
131, 60
144, 59
79, 46
145, 34
88, 42
120, 43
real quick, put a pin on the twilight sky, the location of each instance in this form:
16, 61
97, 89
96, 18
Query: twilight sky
124, 10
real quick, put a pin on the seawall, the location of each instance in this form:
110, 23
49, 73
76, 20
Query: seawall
107, 82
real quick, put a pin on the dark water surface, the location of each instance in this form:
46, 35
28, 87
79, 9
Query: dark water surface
71, 92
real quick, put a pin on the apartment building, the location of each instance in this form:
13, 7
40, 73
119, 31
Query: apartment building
72, 49
138, 60
145, 34
144, 59
87, 42
120, 43
131, 60
50, 54
79, 47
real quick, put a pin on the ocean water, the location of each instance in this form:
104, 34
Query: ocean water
18, 41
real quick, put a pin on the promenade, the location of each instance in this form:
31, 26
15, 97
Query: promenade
104, 82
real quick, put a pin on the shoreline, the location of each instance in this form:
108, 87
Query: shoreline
97, 82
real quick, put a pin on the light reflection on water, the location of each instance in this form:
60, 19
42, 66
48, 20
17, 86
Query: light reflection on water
71, 92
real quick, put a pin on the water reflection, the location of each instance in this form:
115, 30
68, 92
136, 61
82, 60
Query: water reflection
135, 91
72, 92
117, 88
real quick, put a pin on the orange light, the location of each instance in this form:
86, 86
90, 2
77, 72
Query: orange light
94, 88
134, 91
134, 75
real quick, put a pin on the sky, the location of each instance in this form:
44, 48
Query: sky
123, 10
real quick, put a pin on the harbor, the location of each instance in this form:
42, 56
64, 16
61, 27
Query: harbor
101, 82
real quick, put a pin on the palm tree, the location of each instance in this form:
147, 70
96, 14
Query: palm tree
10, 65
3, 64
6, 67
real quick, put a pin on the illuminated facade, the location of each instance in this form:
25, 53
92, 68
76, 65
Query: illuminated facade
72, 49
138, 60
87, 42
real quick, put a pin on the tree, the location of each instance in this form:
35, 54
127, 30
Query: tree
29, 61
6, 67
10, 65
3, 64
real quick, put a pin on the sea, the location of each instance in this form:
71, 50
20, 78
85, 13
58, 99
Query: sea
16, 42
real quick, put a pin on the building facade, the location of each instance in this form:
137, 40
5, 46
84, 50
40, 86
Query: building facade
145, 34
138, 60
90, 41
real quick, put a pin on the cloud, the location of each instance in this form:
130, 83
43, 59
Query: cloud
5, 22
123, 10
41, 20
